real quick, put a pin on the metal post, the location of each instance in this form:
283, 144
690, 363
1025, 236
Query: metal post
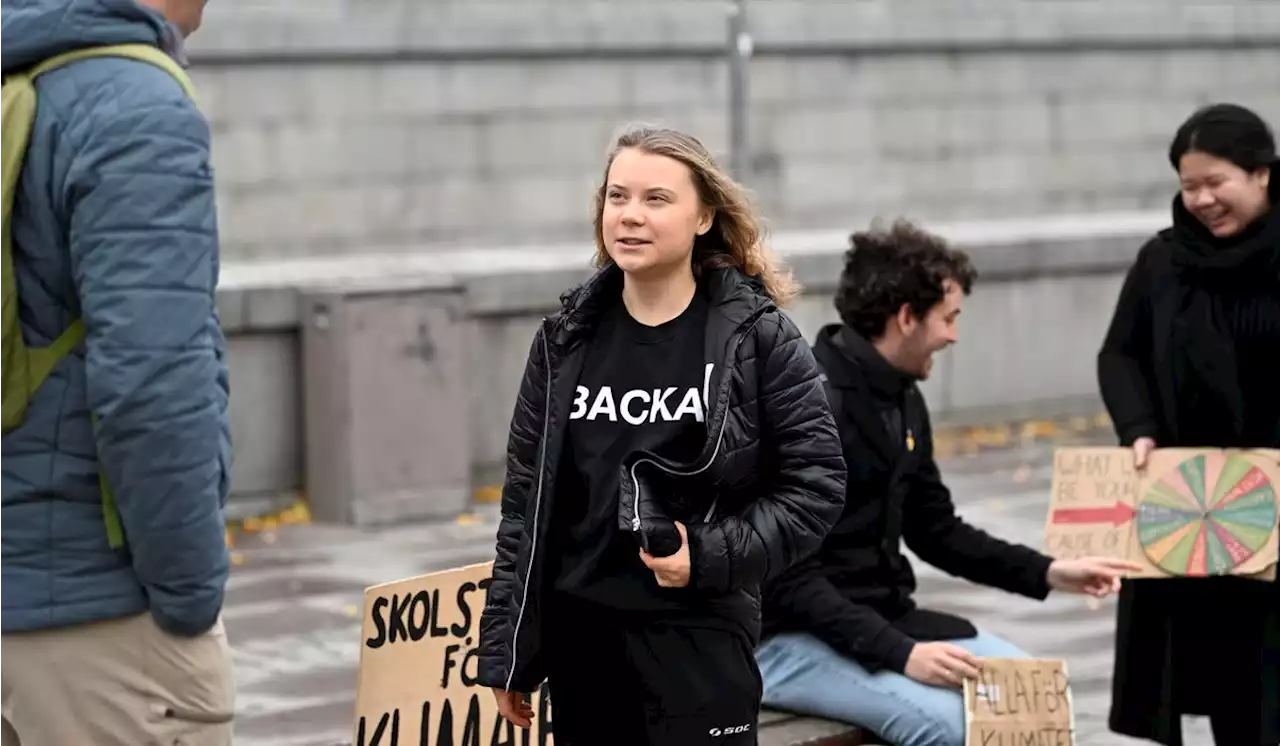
740, 50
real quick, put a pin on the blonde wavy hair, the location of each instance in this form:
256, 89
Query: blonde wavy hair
737, 236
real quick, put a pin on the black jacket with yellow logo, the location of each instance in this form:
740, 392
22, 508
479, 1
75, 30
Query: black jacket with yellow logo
855, 593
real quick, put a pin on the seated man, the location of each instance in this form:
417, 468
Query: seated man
842, 637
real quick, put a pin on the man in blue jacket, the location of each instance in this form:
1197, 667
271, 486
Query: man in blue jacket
114, 222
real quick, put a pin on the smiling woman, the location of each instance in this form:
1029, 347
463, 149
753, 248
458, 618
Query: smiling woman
671, 450
1191, 359
1224, 156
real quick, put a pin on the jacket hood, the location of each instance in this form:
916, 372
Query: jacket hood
731, 292
825, 339
849, 360
34, 30
836, 367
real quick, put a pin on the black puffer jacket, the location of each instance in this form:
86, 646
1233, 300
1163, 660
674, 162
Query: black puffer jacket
765, 489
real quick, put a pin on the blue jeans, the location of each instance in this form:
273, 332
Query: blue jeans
803, 675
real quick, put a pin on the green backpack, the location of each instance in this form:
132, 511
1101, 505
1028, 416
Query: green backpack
24, 367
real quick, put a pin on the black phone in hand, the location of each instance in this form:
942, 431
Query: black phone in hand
660, 537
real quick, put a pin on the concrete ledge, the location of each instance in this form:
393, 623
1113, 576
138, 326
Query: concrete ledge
261, 295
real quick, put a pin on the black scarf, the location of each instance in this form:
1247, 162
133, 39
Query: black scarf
1205, 270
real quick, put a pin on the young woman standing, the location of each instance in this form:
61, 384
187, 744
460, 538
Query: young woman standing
1191, 360
671, 449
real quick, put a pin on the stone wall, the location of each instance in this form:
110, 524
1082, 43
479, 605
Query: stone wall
1030, 335
345, 126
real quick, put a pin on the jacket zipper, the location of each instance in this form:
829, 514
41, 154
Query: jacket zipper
537, 505
635, 482
635, 519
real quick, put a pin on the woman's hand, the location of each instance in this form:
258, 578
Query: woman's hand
1142, 448
672, 571
515, 707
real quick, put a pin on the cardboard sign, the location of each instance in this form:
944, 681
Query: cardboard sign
1191, 512
1019, 702
418, 666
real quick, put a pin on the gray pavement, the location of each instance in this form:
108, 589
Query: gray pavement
293, 603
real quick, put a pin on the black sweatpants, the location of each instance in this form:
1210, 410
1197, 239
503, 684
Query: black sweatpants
624, 679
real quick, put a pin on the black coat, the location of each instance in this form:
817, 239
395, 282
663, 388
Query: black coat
765, 489
855, 593
1190, 359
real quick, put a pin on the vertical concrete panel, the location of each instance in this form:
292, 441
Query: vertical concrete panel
265, 412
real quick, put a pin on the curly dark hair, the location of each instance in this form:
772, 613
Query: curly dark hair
884, 269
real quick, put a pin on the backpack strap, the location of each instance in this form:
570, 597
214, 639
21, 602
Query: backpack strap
40, 360
140, 52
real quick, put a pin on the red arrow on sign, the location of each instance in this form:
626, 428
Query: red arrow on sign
1117, 515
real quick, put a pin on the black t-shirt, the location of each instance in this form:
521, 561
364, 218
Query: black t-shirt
641, 387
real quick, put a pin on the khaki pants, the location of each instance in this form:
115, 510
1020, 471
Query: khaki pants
123, 681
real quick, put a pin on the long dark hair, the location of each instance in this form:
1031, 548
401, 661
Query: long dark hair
1227, 131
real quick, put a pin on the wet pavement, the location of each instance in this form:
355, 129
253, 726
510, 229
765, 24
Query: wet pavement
293, 602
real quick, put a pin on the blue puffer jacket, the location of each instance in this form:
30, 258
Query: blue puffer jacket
114, 220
